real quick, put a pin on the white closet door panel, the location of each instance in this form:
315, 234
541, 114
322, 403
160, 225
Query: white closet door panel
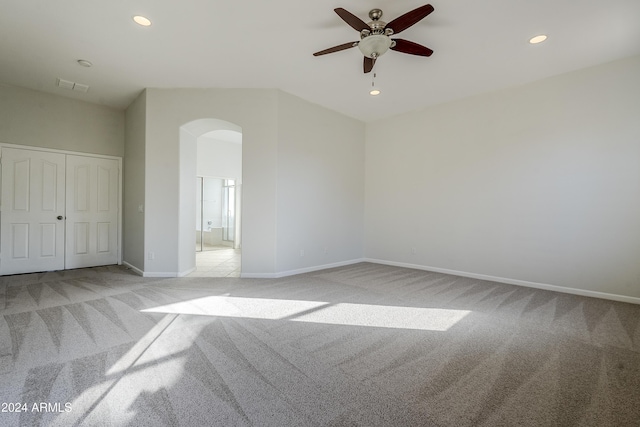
33, 187
20, 185
105, 242
50, 198
48, 240
92, 211
81, 238
19, 241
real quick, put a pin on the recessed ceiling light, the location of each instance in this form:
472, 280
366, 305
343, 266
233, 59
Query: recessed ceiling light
85, 63
374, 92
537, 39
141, 20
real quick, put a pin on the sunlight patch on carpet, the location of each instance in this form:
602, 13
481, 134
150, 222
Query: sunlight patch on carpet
352, 314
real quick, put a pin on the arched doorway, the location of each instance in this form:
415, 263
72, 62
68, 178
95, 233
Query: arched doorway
210, 151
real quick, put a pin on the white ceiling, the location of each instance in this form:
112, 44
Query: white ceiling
479, 46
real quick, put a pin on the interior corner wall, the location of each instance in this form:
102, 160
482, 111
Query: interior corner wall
539, 183
39, 119
320, 186
255, 111
134, 183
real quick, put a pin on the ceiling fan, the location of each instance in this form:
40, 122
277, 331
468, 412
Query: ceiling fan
375, 37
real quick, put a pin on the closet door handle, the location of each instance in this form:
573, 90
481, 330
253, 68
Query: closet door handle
60, 218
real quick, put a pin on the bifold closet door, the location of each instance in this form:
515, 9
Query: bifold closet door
92, 212
32, 226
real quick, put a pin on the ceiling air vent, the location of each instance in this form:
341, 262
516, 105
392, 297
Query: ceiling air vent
66, 84
79, 87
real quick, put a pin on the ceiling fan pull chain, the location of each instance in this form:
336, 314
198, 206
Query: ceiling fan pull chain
374, 90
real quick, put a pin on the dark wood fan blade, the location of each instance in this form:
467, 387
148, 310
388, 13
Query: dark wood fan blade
403, 22
405, 46
336, 48
368, 64
351, 19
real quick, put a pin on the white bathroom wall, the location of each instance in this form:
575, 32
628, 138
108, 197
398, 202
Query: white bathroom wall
219, 158
223, 158
538, 184
211, 203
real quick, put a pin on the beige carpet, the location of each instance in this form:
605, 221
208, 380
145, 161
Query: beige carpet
363, 345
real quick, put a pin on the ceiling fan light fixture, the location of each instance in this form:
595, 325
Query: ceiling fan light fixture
538, 39
374, 45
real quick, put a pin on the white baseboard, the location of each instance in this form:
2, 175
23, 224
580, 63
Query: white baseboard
133, 268
258, 275
536, 285
157, 274
160, 274
186, 272
300, 270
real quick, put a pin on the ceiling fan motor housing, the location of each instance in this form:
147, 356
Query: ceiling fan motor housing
375, 41
375, 14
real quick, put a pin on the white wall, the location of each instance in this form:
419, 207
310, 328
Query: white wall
539, 183
320, 186
301, 161
134, 183
187, 152
255, 112
29, 117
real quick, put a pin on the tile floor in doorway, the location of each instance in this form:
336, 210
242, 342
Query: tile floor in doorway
217, 262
